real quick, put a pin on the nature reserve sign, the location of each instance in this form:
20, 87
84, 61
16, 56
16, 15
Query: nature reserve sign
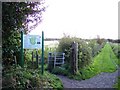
32, 42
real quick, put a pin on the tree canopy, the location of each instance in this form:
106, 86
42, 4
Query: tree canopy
17, 15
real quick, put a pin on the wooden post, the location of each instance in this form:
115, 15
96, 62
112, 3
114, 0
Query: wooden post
32, 59
74, 58
37, 64
55, 59
15, 60
63, 57
50, 62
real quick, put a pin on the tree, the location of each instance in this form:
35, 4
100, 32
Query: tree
17, 15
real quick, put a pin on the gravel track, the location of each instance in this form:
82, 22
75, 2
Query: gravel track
102, 80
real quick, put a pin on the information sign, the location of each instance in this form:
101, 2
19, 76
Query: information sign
32, 42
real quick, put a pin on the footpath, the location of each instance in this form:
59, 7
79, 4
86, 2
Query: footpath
103, 80
105, 61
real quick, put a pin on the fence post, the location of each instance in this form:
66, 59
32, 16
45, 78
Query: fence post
63, 57
42, 53
22, 51
37, 64
74, 58
50, 62
55, 59
15, 60
32, 59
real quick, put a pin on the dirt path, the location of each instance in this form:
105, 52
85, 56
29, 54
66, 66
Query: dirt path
103, 80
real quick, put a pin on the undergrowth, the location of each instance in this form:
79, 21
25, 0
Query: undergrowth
117, 85
23, 78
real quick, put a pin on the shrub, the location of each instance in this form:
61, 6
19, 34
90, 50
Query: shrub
116, 49
23, 78
84, 56
84, 52
60, 70
95, 47
65, 46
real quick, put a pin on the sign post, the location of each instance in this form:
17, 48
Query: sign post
42, 52
32, 42
22, 51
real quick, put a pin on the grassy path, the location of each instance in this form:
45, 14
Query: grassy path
105, 61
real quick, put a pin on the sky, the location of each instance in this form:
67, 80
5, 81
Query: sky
80, 18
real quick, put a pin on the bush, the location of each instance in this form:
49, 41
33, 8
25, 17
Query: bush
77, 76
116, 49
65, 46
23, 78
84, 52
95, 47
60, 71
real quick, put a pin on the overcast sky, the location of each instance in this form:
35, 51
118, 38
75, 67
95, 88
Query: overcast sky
80, 18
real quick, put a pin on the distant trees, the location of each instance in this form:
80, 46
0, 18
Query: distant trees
17, 15
114, 41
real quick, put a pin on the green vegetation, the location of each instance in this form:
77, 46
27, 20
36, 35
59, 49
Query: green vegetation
24, 78
117, 85
87, 50
116, 50
30, 77
16, 15
104, 61
92, 59
26, 16
84, 51
60, 70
